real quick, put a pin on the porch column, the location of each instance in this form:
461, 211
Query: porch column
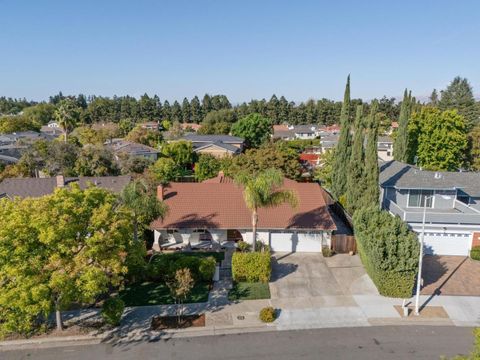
185, 235
218, 236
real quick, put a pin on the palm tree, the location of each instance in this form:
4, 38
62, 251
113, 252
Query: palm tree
261, 190
143, 205
67, 115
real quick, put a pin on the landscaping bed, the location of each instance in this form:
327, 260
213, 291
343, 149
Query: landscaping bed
157, 293
249, 291
175, 322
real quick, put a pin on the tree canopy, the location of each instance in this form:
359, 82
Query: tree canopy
254, 128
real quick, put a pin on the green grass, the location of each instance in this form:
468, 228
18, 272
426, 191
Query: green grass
151, 293
249, 291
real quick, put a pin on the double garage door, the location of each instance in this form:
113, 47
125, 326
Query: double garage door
295, 242
447, 244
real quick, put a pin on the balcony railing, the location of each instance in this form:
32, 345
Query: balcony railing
433, 217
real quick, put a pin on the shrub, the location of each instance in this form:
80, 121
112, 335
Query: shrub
388, 250
475, 253
112, 311
267, 314
261, 246
206, 269
327, 252
243, 246
251, 267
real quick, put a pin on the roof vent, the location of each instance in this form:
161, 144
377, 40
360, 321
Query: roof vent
438, 175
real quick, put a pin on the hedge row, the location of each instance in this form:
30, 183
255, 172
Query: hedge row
251, 267
475, 253
163, 267
388, 250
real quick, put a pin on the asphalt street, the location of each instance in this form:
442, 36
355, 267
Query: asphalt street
387, 342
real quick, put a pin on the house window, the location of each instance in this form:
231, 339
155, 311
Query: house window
417, 198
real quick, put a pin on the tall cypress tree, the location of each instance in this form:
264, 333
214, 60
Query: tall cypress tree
356, 173
372, 192
342, 150
400, 147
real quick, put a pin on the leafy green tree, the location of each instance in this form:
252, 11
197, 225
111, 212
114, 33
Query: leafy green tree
96, 161
324, 172
176, 112
371, 195
474, 142
343, 148
388, 249
441, 138
181, 152
196, 110
356, 173
143, 205
401, 146
254, 128
165, 170
433, 99
40, 114
186, 111
218, 122
459, 95
271, 155
10, 124
67, 115
143, 136
262, 190
48, 261
207, 167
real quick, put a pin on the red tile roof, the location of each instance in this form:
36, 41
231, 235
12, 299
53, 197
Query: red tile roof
309, 157
220, 205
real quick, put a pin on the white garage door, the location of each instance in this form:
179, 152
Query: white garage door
447, 244
299, 242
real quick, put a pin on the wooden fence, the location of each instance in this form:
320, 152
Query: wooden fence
344, 243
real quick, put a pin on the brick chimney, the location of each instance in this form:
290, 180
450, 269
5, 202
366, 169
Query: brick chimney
60, 181
160, 192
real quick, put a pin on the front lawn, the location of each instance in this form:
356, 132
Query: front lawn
249, 291
152, 293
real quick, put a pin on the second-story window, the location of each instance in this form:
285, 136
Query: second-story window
417, 198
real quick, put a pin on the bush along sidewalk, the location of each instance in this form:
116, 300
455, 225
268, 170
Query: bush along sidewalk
388, 250
251, 267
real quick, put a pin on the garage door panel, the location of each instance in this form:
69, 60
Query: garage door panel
447, 244
291, 242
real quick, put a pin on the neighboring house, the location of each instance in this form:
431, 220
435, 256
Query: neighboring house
214, 213
188, 127
54, 131
452, 199
328, 142
24, 136
385, 148
120, 146
393, 127
310, 157
216, 145
37, 187
150, 125
53, 124
292, 132
11, 153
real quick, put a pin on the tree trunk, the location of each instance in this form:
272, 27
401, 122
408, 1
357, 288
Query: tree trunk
254, 229
58, 317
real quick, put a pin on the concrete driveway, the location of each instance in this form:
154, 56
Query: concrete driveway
310, 275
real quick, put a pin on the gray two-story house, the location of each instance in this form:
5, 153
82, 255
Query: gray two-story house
452, 201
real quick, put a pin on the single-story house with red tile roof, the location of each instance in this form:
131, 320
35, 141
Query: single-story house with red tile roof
214, 211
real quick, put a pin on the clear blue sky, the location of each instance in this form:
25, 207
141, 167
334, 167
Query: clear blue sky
244, 49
